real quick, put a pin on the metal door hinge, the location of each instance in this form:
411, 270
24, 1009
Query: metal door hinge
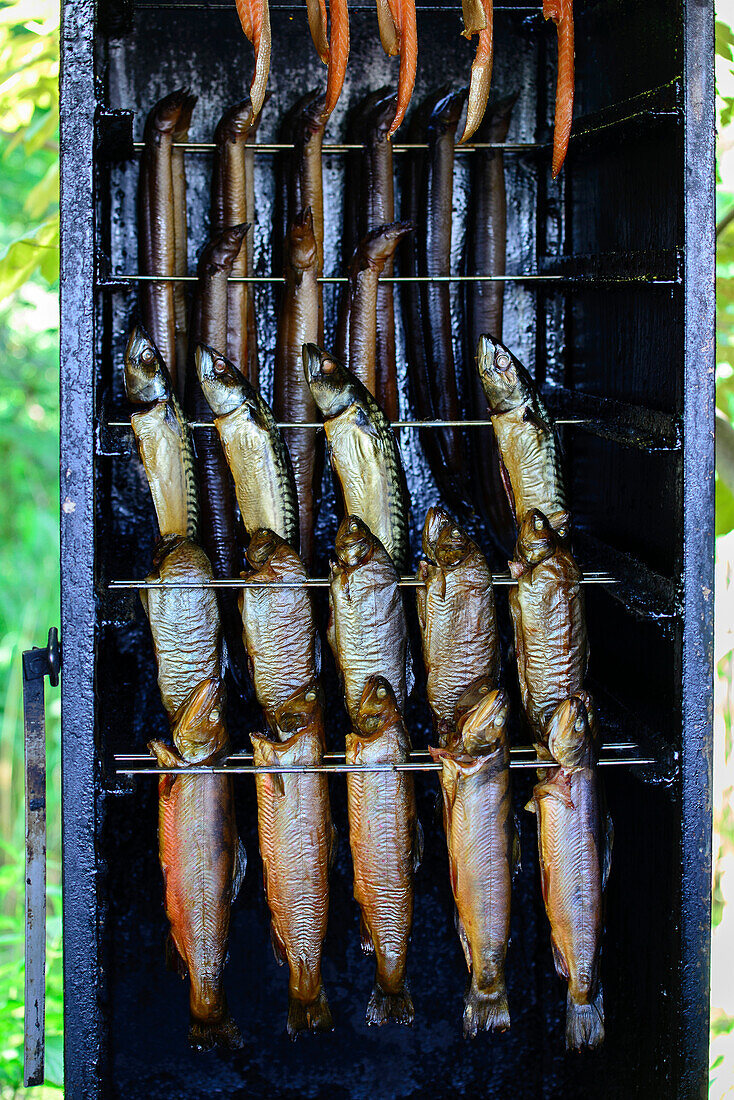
37, 664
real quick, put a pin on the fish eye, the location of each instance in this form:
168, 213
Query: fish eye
538, 523
381, 692
328, 366
214, 715
499, 720
579, 723
483, 689
310, 696
503, 361
219, 366
455, 532
147, 355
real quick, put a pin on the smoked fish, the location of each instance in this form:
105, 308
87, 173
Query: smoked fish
367, 630
253, 445
561, 12
363, 451
180, 223
483, 849
481, 22
399, 35
278, 625
255, 19
162, 437
387, 846
298, 324
528, 446
457, 619
297, 842
201, 858
547, 608
574, 845
333, 51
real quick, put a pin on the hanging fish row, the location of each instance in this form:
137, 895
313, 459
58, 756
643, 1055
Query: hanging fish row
399, 37
369, 637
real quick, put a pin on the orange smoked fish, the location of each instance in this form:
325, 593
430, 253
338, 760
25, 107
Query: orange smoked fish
399, 35
574, 845
387, 846
482, 844
255, 19
481, 70
333, 52
561, 12
296, 844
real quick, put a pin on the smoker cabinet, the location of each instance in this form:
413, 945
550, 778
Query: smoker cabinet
622, 339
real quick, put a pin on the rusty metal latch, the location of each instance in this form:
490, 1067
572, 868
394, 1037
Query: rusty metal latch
37, 664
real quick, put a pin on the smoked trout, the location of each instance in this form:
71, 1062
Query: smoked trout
387, 846
457, 619
574, 844
481, 70
253, 446
255, 19
561, 12
298, 324
399, 35
334, 50
528, 446
363, 451
483, 850
233, 203
159, 212
297, 842
547, 608
201, 858
278, 625
367, 630
162, 437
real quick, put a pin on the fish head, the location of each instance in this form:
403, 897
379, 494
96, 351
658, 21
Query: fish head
504, 379
222, 250
453, 546
263, 544
165, 117
446, 113
355, 542
436, 519
378, 115
332, 385
167, 545
198, 728
472, 696
225, 388
304, 710
378, 707
537, 540
302, 251
568, 733
236, 123
146, 377
483, 728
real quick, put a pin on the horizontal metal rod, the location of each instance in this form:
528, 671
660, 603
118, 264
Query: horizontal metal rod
198, 424
340, 769
202, 5
279, 279
348, 147
319, 582
247, 757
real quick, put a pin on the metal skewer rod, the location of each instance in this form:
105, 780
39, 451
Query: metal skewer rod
136, 277
347, 147
319, 582
339, 769
198, 424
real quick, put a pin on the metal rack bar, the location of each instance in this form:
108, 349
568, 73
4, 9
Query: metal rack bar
502, 579
198, 424
348, 147
114, 282
201, 5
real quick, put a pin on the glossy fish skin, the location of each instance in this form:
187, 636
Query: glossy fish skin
370, 260
296, 844
201, 859
307, 123
157, 220
298, 324
561, 12
253, 445
387, 844
338, 53
457, 619
482, 844
363, 451
367, 631
181, 252
255, 19
278, 625
481, 70
404, 33
547, 608
233, 203
526, 438
574, 843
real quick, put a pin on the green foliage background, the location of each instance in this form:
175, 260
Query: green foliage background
29, 596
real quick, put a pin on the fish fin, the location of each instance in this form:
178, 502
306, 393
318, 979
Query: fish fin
608, 841
383, 1007
277, 944
463, 938
365, 939
453, 875
531, 806
517, 568
505, 476
330, 624
363, 422
409, 673
418, 845
486, 1011
240, 866
585, 1022
532, 416
166, 757
207, 1035
333, 846
311, 1016
175, 961
515, 858
559, 961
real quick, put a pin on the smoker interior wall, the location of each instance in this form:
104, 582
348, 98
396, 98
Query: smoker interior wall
619, 193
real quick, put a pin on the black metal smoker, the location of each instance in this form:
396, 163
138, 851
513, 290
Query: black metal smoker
612, 306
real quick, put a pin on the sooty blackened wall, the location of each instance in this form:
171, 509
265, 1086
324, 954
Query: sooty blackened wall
625, 340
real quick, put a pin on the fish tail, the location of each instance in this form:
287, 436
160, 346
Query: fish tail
585, 1022
486, 1010
208, 1034
383, 1007
309, 1015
